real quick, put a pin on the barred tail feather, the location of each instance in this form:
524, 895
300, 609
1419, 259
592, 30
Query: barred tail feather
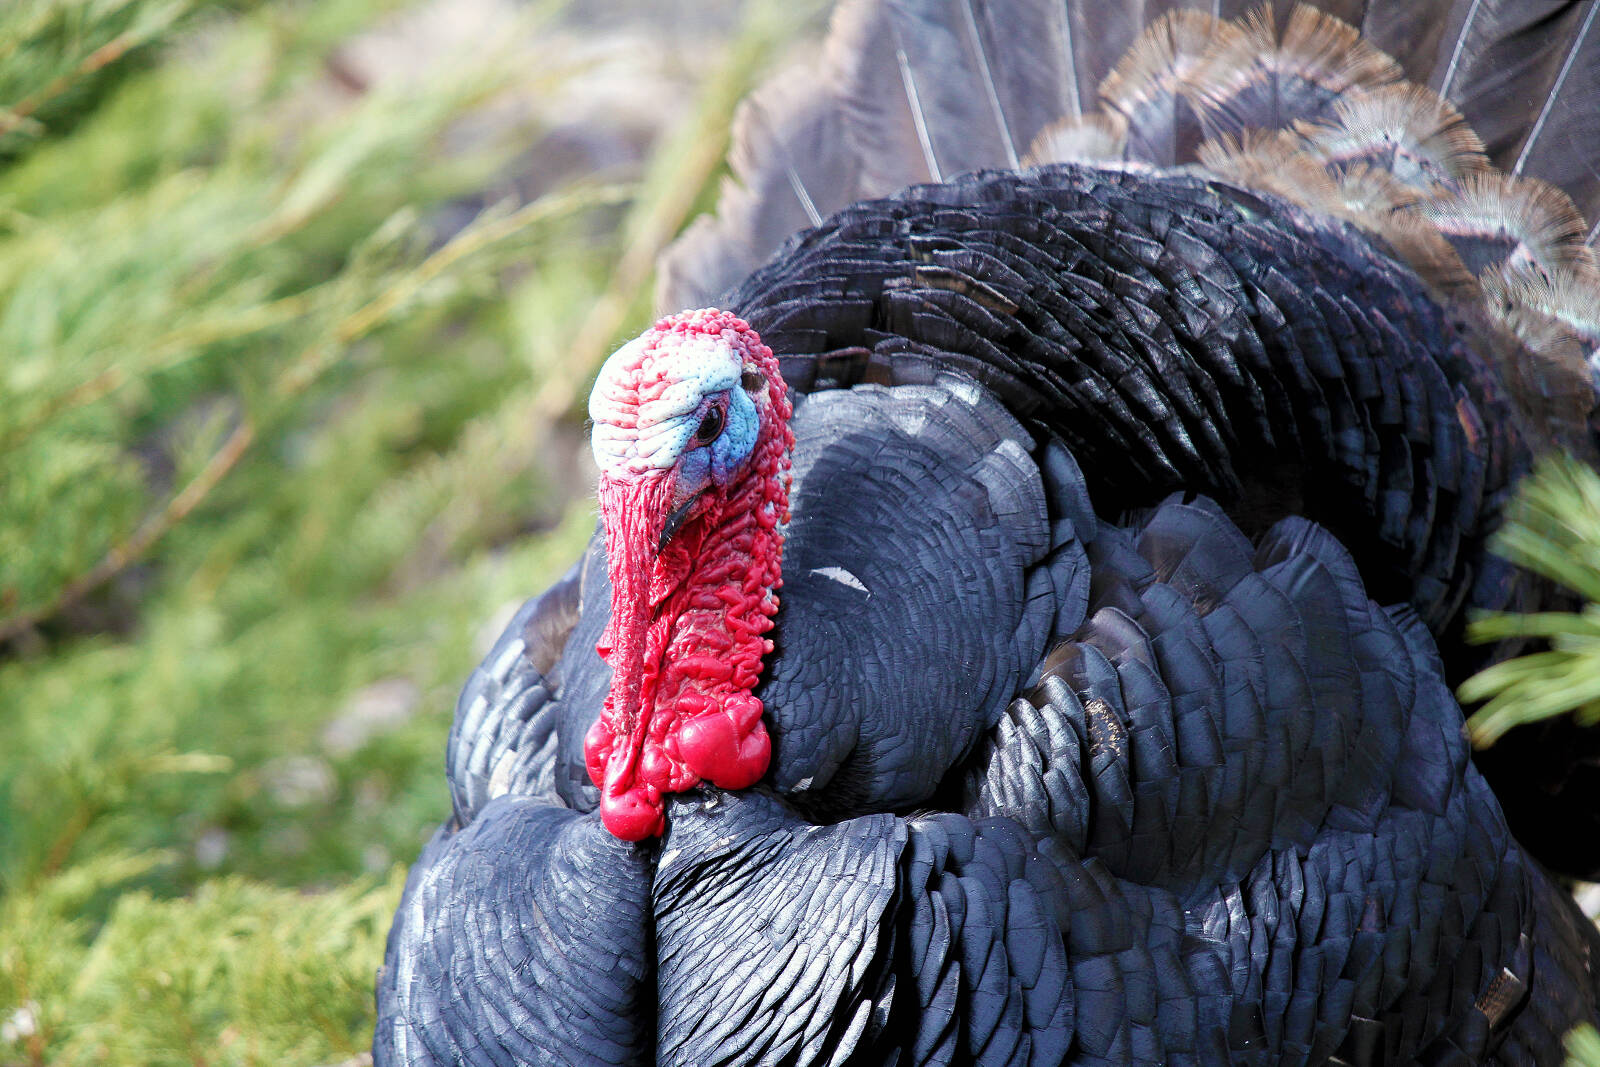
1409, 119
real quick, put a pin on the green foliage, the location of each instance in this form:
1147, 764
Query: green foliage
1583, 1047
1553, 529
282, 426
57, 56
237, 972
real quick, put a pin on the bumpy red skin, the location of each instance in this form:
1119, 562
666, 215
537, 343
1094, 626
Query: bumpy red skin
686, 637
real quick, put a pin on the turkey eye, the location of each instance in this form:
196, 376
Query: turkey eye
710, 426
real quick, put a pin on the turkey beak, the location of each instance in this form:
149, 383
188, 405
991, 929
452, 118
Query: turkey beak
675, 519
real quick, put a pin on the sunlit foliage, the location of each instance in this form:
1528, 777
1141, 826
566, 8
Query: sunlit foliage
289, 409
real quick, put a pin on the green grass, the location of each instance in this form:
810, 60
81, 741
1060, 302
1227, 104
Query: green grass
274, 447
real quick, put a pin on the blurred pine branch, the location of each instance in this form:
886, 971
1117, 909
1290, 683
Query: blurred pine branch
1553, 529
286, 421
1583, 1047
56, 55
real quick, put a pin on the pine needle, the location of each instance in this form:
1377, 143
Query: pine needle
287, 341
1583, 1047
1553, 529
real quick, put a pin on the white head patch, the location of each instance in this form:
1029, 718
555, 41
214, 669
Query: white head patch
645, 405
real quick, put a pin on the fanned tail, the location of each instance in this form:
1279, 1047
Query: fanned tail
1145, 90
1468, 185
911, 91
1411, 120
1457, 134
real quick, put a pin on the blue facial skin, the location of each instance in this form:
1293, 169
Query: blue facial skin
704, 465
738, 436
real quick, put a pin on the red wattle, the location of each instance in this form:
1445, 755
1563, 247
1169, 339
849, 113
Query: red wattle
633, 814
597, 745
718, 751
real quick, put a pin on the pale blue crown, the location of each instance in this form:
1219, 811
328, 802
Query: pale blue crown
633, 438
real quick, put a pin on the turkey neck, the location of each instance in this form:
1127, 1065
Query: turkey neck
686, 637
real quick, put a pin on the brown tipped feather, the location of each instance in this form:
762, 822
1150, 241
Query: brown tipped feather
1160, 60
1425, 249
1373, 191
1271, 160
1493, 218
1096, 137
1406, 129
1148, 87
1570, 296
1103, 31
1547, 369
914, 90
1332, 52
1371, 197
1259, 80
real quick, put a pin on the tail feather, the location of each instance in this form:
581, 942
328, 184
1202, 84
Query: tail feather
1572, 297
1405, 129
1412, 33
1149, 87
1101, 33
1494, 219
1273, 161
791, 168
1372, 190
1100, 136
1023, 84
1497, 56
1434, 258
1560, 146
1457, 133
932, 89
1263, 80
1453, 168
885, 124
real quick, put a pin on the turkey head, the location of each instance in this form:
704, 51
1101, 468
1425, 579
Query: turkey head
691, 434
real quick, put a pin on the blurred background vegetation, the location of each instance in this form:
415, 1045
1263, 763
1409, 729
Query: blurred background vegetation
298, 305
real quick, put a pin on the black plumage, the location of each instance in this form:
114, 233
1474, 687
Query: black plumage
1172, 331
1136, 514
548, 954
1232, 819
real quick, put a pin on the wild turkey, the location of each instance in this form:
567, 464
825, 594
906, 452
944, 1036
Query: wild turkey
1043, 721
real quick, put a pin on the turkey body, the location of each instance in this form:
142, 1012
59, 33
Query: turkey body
1109, 722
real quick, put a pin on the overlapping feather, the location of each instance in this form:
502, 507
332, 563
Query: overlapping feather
1407, 130
1151, 87
918, 90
